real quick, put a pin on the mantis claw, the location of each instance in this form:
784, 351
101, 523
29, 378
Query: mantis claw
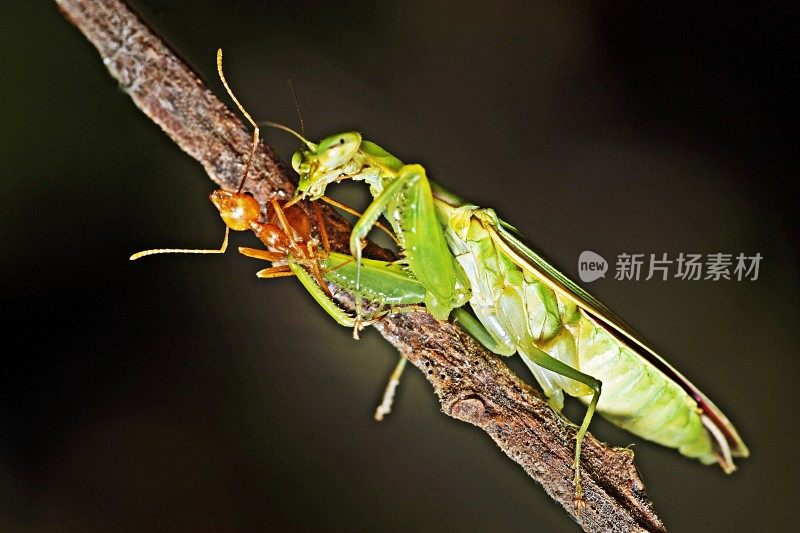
580, 503
356, 328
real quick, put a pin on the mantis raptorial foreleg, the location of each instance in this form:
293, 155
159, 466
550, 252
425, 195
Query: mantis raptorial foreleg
319, 295
409, 196
371, 215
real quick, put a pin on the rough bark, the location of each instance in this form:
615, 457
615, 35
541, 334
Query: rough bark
472, 384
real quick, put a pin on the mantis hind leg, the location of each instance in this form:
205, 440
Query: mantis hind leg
391, 388
544, 360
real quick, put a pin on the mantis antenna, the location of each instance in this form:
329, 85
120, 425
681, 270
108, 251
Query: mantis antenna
288, 130
256, 131
297, 105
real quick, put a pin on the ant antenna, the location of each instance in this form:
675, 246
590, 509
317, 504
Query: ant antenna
297, 105
246, 115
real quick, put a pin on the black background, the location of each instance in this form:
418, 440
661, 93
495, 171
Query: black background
182, 392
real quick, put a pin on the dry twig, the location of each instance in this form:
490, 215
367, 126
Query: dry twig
472, 385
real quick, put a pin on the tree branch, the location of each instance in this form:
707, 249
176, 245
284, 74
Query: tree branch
472, 384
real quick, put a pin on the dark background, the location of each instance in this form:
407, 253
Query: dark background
184, 393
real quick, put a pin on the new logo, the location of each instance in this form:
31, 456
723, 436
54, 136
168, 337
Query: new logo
591, 266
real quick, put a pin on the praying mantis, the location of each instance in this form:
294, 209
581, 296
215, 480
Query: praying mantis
456, 253
570, 341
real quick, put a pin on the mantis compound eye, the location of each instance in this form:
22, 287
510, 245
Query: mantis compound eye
336, 150
297, 159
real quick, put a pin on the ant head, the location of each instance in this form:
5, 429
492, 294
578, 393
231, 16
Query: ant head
237, 209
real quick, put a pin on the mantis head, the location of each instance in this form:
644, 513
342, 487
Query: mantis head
319, 165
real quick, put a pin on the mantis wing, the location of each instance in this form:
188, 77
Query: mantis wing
715, 421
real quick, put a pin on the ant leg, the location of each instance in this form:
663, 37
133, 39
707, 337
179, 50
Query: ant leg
261, 254
348, 209
275, 272
323, 233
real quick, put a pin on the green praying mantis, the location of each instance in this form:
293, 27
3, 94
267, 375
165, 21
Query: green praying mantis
570, 341
454, 253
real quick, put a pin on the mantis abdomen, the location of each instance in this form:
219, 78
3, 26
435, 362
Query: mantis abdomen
637, 396
522, 314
